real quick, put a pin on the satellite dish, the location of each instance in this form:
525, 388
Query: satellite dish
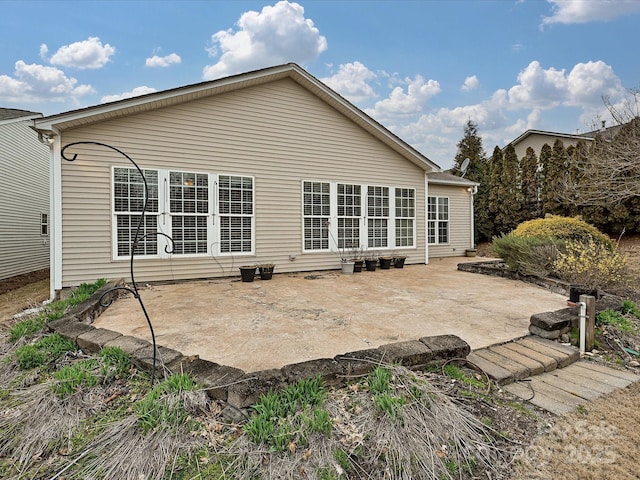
464, 166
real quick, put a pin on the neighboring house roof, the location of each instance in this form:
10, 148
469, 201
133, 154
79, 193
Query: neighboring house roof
13, 114
120, 108
583, 136
447, 178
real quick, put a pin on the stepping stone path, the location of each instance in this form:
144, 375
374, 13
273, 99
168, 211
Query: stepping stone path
548, 374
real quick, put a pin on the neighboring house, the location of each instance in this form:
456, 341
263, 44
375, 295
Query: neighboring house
536, 139
270, 166
24, 195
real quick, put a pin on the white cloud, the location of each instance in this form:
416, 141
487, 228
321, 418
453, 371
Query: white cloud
136, 92
583, 86
166, 61
413, 101
35, 82
278, 34
584, 11
538, 87
352, 82
470, 83
88, 53
44, 50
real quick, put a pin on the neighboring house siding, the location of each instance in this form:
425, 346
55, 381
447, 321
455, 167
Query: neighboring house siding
278, 133
24, 196
537, 141
459, 221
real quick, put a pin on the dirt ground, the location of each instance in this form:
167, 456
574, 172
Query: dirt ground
600, 441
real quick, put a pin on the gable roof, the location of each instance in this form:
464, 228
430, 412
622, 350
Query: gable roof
13, 114
165, 98
448, 178
581, 136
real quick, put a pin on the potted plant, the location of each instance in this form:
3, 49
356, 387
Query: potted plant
398, 261
371, 263
471, 252
356, 257
248, 272
385, 262
266, 271
347, 265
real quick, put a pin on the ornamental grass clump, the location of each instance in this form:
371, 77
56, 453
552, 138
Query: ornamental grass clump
591, 264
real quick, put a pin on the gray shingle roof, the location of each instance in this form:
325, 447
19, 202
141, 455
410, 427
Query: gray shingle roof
9, 113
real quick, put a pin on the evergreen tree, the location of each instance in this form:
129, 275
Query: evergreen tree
531, 206
495, 188
511, 193
546, 178
470, 146
556, 169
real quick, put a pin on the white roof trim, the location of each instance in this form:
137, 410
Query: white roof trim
20, 119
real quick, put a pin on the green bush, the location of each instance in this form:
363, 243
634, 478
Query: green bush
527, 255
591, 264
562, 228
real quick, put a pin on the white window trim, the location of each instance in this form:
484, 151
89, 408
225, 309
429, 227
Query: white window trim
215, 198
164, 218
332, 225
437, 220
414, 218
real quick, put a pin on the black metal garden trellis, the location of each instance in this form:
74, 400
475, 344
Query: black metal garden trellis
134, 245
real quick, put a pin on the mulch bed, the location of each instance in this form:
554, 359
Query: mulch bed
18, 281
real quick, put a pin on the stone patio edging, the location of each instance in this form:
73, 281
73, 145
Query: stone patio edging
497, 268
236, 387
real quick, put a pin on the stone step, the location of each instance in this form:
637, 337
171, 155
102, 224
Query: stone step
523, 358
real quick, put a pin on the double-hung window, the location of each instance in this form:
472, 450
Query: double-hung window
183, 205
405, 217
378, 216
316, 205
349, 213
235, 206
437, 220
44, 224
128, 202
189, 208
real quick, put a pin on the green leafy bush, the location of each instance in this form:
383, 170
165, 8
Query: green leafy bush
562, 228
591, 264
527, 255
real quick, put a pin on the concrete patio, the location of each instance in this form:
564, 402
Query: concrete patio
297, 317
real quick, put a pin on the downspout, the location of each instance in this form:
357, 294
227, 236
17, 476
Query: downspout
472, 191
426, 218
55, 215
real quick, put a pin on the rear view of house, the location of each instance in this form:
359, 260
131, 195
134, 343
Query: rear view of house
270, 166
24, 195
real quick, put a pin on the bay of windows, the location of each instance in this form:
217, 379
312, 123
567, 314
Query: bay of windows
183, 205
342, 217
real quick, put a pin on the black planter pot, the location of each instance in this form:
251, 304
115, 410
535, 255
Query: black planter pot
385, 262
266, 271
248, 273
357, 266
398, 262
576, 290
371, 263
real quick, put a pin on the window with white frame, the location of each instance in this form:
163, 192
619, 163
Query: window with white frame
349, 213
44, 224
182, 208
316, 205
235, 206
437, 220
378, 216
405, 217
128, 203
189, 209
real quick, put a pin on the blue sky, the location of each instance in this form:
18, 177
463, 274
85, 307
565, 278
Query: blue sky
421, 68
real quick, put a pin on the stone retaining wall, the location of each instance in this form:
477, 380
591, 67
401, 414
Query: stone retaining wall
241, 389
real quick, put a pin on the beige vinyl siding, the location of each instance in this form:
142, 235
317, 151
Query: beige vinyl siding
278, 133
537, 141
459, 221
24, 196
